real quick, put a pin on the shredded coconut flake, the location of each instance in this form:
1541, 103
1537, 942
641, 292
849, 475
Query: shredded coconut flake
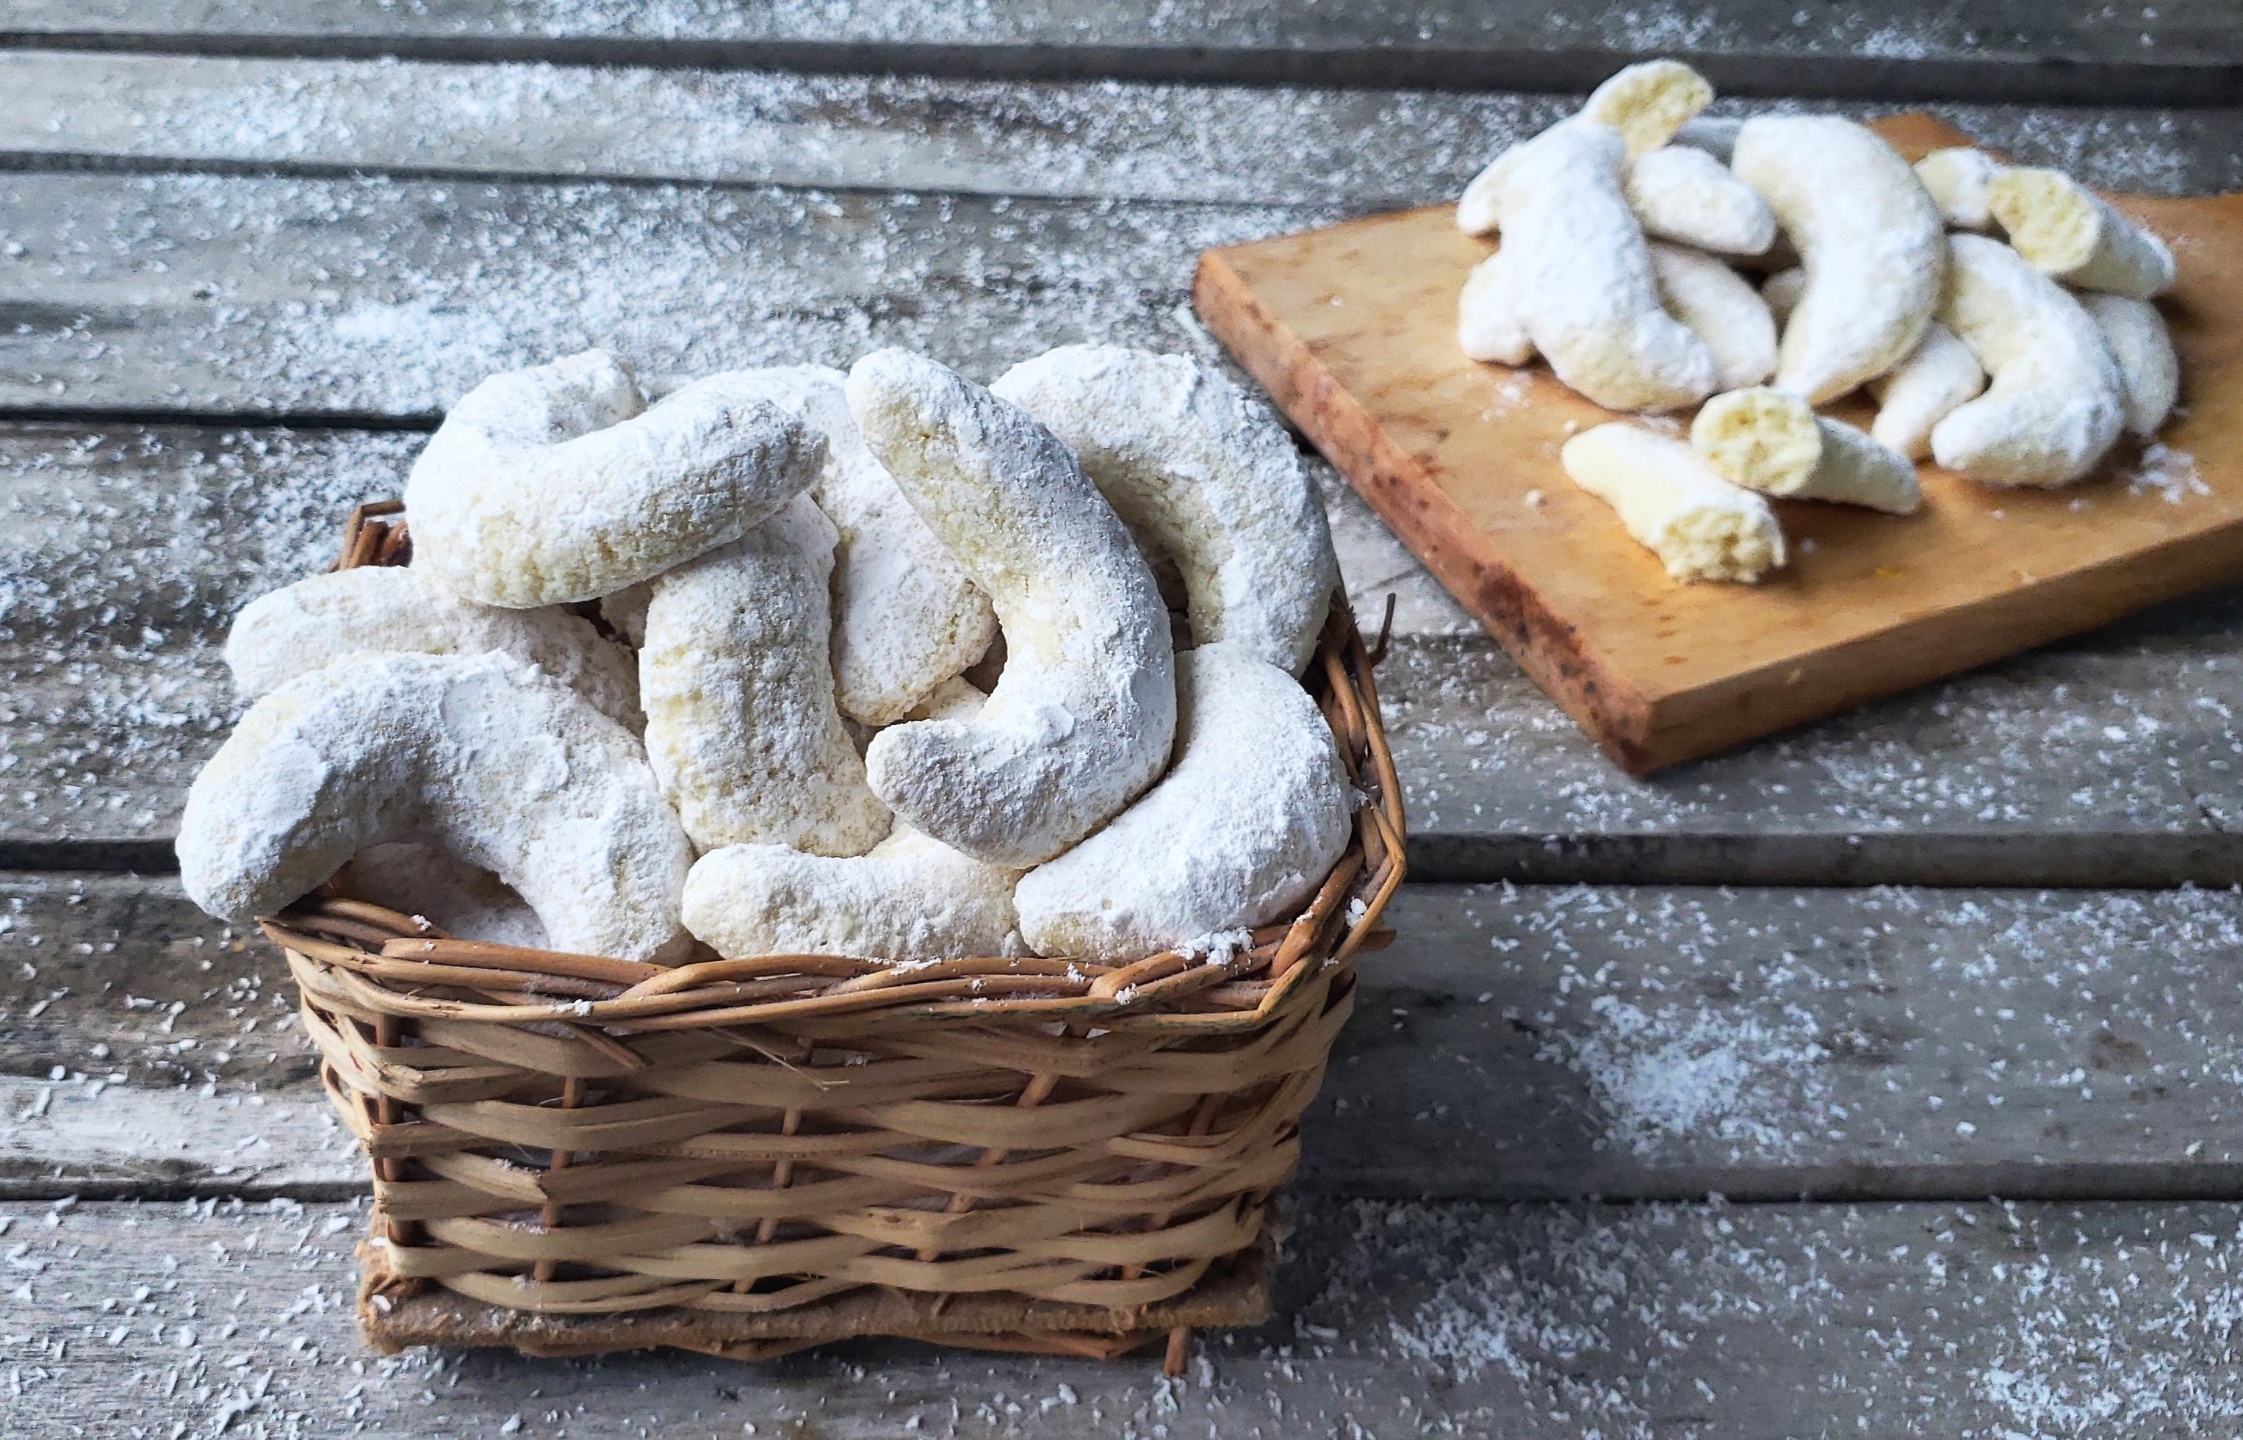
2167, 472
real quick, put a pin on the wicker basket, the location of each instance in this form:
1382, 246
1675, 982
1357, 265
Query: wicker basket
575, 1154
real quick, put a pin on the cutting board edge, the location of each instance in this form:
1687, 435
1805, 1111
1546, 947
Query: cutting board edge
1681, 728
1553, 652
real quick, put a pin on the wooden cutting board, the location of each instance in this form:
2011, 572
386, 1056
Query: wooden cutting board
1352, 330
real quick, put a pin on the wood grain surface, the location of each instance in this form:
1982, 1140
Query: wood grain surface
2076, 51
1978, 1321
1515, 1043
1351, 329
1365, 150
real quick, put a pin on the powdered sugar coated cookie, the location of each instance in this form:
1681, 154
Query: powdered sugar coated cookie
741, 724
384, 609
1187, 459
1081, 720
1721, 309
1581, 276
911, 898
1240, 832
491, 758
905, 615
1870, 239
419, 879
2056, 401
1682, 194
548, 486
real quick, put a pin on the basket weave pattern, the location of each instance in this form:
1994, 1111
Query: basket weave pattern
774, 1137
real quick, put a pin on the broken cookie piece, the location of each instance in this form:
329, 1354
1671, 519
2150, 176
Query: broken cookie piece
1699, 525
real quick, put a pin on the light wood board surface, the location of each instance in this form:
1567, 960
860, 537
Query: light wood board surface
1352, 330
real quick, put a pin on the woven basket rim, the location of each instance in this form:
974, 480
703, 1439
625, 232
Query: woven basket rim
405, 967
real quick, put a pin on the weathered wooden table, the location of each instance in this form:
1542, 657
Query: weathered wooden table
1880, 1080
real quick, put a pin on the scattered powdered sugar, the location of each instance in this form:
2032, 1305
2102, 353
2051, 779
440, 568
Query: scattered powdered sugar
124, 556
392, 297
1488, 1315
1217, 948
1617, 26
1101, 139
2140, 722
2012, 1321
1692, 1073
2065, 1365
2170, 473
1104, 139
1426, 1320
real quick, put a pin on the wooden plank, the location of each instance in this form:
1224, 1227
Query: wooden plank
1643, 1042
2178, 52
1369, 150
1222, 145
381, 299
1751, 1323
81, 1136
2104, 760
1514, 1043
123, 557
1352, 330
327, 298
125, 551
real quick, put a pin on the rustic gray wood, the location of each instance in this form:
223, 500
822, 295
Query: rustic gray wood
311, 297
207, 294
1514, 1043
1529, 1042
125, 551
1517, 1043
1137, 141
123, 557
2110, 759
1750, 1323
1370, 149
2183, 51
